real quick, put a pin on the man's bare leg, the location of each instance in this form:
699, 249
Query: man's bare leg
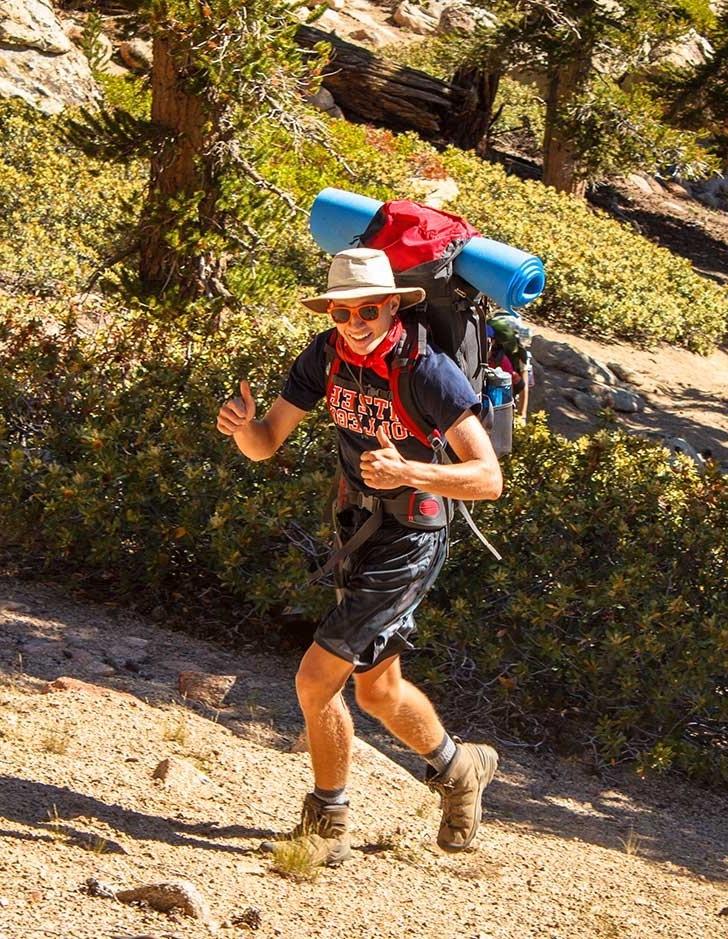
403, 709
319, 681
410, 716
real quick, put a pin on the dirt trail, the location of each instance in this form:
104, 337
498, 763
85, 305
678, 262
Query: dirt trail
561, 854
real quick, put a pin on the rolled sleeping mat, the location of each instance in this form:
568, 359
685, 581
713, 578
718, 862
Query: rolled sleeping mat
509, 276
339, 217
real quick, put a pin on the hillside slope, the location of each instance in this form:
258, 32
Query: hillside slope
561, 854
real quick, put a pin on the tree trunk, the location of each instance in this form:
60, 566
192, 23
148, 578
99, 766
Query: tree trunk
368, 88
560, 158
180, 169
470, 126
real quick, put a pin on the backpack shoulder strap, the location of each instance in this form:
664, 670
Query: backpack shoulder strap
411, 347
333, 361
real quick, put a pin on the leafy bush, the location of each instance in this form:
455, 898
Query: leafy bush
61, 214
112, 466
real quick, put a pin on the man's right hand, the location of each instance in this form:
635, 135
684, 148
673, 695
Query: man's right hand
236, 413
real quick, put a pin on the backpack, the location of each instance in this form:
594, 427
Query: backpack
422, 244
508, 340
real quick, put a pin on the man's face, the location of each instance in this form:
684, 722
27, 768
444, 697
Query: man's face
362, 335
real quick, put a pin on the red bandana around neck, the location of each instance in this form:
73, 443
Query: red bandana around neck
375, 360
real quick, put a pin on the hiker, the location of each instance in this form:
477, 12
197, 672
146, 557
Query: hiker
388, 477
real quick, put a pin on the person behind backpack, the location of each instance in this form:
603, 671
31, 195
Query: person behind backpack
393, 499
506, 352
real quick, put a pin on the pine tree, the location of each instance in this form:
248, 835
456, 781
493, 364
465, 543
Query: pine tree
700, 95
220, 66
582, 49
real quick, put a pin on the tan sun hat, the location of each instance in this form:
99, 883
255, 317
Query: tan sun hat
362, 272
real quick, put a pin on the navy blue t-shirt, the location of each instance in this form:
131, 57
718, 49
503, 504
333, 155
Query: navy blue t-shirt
360, 401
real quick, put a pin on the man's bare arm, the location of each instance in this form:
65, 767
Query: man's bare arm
258, 440
477, 476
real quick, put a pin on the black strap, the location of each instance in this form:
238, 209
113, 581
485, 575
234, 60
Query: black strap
357, 539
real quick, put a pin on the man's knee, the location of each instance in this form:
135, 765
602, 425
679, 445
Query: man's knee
380, 697
316, 687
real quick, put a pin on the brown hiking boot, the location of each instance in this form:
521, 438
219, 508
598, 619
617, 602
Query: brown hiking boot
321, 836
461, 788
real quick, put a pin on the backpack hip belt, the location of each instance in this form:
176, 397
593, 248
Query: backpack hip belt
414, 509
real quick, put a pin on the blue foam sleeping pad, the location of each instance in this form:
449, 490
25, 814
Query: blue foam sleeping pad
510, 277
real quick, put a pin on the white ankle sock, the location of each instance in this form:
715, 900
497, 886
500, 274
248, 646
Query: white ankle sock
441, 757
331, 796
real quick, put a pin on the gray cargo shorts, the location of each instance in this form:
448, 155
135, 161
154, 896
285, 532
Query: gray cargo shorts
380, 585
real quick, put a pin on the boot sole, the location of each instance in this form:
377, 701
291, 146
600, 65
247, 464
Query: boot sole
484, 783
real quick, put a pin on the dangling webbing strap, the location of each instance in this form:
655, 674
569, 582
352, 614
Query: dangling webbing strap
357, 539
439, 448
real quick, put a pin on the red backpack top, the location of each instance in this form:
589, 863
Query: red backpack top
411, 234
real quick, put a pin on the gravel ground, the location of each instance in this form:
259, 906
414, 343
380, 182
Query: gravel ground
561, 854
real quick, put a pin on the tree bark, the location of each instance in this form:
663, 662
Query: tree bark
560, 158
182, 167
368, 88
470, 126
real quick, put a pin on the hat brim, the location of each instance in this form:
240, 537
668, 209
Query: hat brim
409, 296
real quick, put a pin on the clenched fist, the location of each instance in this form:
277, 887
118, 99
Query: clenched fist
236, 413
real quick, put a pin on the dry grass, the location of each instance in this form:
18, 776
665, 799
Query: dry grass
55, 823
176, 727
58, 739
95, 844
296, 860
632, 843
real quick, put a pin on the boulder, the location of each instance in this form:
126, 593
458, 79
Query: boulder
561, 355
680, 446
416, 19
178, 774
463, 18
624, 373
174, 896
625, 401
691, 51
38, 62
32, 24
639, 182
590, 404
324, 101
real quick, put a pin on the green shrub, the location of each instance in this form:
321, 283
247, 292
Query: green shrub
62, 213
